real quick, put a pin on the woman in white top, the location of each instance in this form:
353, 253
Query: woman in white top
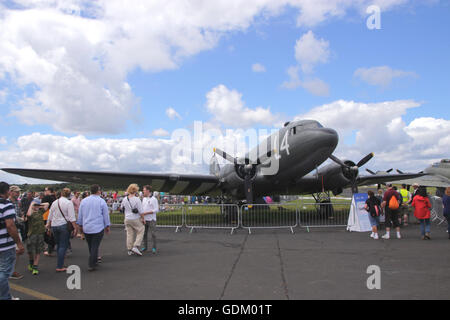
134, 222
62, 213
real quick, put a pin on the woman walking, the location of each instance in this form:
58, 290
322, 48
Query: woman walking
422, 206
134, 221
373, 206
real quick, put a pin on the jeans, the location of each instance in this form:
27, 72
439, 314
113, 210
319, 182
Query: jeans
448, 223
93, 241
424, 226
62, 237
7, 262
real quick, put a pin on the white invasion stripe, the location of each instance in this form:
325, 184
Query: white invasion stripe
203, 188
157, 184
179, 186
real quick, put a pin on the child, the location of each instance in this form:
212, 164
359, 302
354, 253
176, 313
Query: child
36, 230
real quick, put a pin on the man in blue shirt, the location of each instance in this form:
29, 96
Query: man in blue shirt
93, 219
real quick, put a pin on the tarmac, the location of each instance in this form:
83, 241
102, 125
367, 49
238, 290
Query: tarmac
325, 263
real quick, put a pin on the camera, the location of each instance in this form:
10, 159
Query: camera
135, 210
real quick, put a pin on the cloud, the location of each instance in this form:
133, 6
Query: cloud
310, 51
312, 13
381, 128
381, 76
256, 67
314, 86
228, 108
71, 58
172, 114
3, 140
160, 133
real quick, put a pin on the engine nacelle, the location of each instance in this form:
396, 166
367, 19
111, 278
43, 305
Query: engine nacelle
335, 177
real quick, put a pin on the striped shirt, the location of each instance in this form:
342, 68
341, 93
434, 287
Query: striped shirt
7, 211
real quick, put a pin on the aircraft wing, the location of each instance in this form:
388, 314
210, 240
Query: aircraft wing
427, 181
384, 178
176, 184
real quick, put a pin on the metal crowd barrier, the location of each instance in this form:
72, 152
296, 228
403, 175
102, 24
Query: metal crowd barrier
170, 216
319, 215
212, 216
269, 216
257, 216
437, 210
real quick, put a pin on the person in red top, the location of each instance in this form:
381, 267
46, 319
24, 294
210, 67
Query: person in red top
422, 206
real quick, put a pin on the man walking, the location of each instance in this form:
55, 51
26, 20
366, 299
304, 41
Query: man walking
9, 238
150, 207
406, 197
14, 193
49, 197
93, 220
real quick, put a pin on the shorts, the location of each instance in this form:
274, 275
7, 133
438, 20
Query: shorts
35, 244
374, 221
392, 218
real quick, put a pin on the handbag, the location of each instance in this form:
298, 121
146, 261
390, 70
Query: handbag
68, 225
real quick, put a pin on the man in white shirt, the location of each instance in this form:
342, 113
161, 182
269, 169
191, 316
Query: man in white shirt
150, 207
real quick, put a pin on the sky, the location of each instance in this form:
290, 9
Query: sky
107, 85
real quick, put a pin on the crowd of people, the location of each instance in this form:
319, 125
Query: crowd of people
396, 207
49, 220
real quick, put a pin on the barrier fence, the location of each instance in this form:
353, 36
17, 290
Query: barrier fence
212, 216
313, 215
257, 216
269, 216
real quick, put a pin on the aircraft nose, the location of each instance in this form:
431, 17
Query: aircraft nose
329, 137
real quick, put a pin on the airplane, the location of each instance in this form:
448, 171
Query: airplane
380, 173
298, 148
437, 175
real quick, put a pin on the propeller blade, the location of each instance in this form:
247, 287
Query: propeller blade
371, 172
225, 155
338, 161
399, 171
389, 170
364, 160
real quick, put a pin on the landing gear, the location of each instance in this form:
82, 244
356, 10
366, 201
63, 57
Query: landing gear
228, 211
324, 207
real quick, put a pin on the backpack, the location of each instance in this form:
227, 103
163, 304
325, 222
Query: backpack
393, 203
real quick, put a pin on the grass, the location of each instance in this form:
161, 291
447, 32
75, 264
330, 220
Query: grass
262, 215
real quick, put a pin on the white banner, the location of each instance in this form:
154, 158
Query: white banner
358, 219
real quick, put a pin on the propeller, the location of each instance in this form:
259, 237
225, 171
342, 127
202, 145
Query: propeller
246, 169
373, 173
351, 170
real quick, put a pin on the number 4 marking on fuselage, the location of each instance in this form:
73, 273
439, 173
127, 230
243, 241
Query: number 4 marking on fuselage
284, 146
285, 143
